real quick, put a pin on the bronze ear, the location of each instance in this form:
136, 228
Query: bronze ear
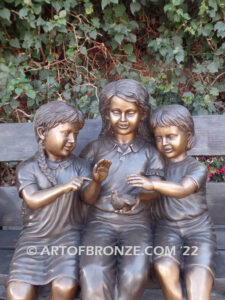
41, 133
190, 140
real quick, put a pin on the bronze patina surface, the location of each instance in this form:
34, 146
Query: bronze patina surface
121, 216
182, 219
50, 183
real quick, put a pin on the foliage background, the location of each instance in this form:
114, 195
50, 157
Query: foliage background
70, 49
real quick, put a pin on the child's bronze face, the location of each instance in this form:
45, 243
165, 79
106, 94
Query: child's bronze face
172, 142
60, 141
124, 117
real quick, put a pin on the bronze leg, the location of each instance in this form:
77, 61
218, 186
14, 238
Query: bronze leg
199, 282
133, 270
98, 272
168, 273
18, 290
63, 288
133, 278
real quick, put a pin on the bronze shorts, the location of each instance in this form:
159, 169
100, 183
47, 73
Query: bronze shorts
187, 242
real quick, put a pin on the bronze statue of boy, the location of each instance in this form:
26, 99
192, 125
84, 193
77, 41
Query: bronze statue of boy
182, 215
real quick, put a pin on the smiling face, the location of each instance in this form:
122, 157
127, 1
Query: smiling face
172, 142
60, 141
124, 117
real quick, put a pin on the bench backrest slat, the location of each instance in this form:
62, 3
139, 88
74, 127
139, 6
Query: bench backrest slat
210, 135
18, 140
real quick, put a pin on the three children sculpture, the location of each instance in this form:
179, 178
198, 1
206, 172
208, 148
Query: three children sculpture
127, 183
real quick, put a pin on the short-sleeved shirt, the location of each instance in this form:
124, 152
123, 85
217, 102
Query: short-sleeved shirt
173, 209
139, 157
64, 213
54, 225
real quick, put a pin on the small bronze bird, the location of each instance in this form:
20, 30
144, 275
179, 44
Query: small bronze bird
123, 202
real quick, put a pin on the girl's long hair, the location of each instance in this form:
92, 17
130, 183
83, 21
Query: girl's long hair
48, 116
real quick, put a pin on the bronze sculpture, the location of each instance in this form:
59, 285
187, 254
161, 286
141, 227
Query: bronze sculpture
49, 183
182, 216
120, 217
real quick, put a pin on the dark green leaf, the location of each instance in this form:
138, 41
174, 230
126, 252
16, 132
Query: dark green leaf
213, 67
18, 91
62, 14
30, 102
4, 70
28, 40
132, 58
23, 13
40, 21
132, 37
119, 10
14, 43
14, 104
5, 13
128, 49
31, 94
119, 38
105, 3
93, 34
67, 95
37, 9
57, 5
220, 26
177, 2
214, 91
213, 4
96, 22
83, 50
135, 7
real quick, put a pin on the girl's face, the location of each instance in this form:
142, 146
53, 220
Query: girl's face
124, 117
60, 141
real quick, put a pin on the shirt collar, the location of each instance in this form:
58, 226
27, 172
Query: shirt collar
135, 145
63, 163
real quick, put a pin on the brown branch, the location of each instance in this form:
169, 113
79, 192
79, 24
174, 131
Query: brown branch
23, 112
217, 77
43, 54
47, 66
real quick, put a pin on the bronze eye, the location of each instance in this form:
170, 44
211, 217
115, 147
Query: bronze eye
172, 136
131, 113
116, 112
158, 138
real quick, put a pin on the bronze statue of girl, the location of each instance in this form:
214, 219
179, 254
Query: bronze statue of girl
49, 183
120, 217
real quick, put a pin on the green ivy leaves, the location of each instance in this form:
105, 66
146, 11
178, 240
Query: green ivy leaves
5, 14
72, 48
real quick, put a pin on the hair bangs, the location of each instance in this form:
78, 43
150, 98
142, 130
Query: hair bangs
53, 113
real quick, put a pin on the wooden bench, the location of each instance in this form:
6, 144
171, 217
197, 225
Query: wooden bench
17, 142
